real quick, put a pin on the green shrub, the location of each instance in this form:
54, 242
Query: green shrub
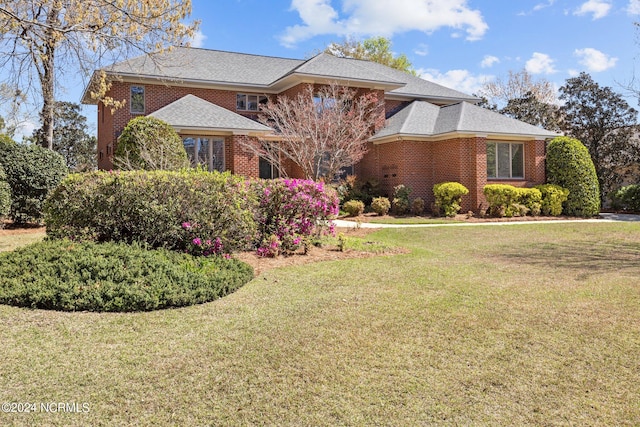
531, 199
569, 165
354, 189
151, 144
507, 201
448, 196
353, 207
627, 198
71, 276
401, 203
553, 196
152, 206
31, 172
381, 205
501, 198
417, 206
5, 195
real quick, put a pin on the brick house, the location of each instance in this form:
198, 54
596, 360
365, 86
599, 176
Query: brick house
432, 133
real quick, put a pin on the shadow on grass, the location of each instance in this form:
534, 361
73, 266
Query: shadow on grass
584, 258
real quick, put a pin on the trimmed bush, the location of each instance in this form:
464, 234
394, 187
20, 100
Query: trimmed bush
151, 144
569, 165
32, 172
71, 276
292, 213
381, 205
531, 199
353, 207
627, 198
417, 206
507, 201
553, 196
5, 195
448, 196
401, 203
151, 206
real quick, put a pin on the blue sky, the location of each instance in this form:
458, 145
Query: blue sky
458, 43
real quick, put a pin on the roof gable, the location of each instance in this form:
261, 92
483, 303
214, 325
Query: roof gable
193, 113
421, 119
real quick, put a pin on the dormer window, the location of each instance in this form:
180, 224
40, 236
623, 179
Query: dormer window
246, 102
137, 100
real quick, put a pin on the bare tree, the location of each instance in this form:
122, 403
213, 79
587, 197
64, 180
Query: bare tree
519, 85
43, 39
320, 131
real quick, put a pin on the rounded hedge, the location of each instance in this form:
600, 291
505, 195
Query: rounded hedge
32, 172
68, 276
569, 165
448, 197
5, 195
152, 206
149, 143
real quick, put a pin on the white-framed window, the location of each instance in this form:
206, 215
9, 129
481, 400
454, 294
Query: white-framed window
246, 102
205, 151
136, 99
505, 160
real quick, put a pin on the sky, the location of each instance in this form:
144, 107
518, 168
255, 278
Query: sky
458, 43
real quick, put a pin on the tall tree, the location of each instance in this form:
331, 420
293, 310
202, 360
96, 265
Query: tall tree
43, 39
603, 121
321, 132
518, 84
70, 137
522, 97
375, 49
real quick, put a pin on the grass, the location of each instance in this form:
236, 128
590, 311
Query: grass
412, 220
11, 241
537, 324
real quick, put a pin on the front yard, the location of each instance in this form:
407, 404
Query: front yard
533, 324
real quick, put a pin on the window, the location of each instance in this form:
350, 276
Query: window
137, 99
205, 151
267, 169
246, 102
505, 160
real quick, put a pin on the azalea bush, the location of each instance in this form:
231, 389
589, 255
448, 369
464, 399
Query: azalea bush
291, 213
151, 207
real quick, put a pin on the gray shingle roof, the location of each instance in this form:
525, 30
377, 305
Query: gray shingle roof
191, 112
209, 66
206, 67
330, 66
423, 119
417, 87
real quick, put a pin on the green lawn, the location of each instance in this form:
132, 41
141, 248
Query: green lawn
535, 324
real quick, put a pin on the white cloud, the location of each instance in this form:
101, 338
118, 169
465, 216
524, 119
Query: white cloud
634, 7
462, 80
540, 63
599, 8
198, 39
538, 7
378, 17
421, 50
489, 61
24, 129
595, 60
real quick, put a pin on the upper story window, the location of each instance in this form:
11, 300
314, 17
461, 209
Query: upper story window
245, 102
505, 160
137, 100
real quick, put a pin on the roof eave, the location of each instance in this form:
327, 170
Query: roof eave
460, 134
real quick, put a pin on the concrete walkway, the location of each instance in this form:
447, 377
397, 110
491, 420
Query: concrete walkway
604, 217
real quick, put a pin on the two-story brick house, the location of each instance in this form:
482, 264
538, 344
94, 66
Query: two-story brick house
432, 133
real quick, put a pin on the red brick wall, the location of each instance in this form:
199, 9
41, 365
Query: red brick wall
242, 160
420, 165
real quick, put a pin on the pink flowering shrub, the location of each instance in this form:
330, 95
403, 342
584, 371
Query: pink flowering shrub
197, 245
291, 213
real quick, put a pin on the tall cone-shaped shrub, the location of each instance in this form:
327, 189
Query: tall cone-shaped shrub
569, 165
